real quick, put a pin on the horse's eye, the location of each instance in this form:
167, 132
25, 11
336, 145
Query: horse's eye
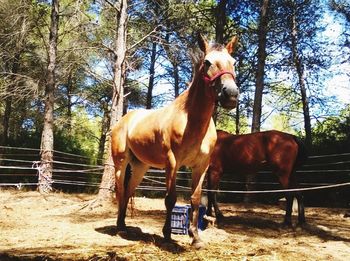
207, 63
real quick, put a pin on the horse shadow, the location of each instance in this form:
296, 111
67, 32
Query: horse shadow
323, 233
250, 222
136, 234
262, 225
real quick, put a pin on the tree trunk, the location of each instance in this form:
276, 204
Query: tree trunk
46, 148
108, 178
69, 89
104, 130
237, 118
151, 76
176, 80
220, 21
259, 81
239, 83
6, 120
301, 78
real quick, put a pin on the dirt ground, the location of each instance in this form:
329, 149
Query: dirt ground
56, 227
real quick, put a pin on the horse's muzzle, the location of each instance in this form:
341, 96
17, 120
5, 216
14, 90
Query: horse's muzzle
228, 97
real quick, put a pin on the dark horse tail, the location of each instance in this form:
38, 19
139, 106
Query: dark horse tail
302, 152
127, 176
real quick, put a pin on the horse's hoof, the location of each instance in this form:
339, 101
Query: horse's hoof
121, 231
198, 244
287, 224
190, 232
168, 239
167, 234
301, 225
220, 216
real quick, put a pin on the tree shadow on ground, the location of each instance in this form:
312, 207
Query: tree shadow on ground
136, 234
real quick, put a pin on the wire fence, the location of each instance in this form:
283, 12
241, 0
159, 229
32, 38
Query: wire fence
327, 177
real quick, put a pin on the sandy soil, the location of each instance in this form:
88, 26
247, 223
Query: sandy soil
56, 227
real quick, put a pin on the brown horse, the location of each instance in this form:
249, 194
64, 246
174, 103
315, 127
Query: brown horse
182, 133
247, 154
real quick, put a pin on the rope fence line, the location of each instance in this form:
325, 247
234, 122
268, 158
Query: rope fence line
97, 170
80, 156
183, 188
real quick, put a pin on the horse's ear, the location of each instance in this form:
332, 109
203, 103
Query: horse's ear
231, 46
202, 43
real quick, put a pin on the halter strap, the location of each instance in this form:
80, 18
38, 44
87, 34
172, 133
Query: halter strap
210, 80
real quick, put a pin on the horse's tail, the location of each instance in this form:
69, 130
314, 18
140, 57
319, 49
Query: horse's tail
302, 152
127, 176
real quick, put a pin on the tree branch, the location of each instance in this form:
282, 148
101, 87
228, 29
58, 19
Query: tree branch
145, 37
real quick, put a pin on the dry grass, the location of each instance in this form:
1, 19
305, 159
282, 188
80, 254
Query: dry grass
56, 227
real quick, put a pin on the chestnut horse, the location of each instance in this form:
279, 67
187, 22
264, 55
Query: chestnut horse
249, 153
182, 133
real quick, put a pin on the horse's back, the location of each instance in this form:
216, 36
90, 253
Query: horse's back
251, 152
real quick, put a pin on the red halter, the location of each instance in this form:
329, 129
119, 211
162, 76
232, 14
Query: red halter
210, 80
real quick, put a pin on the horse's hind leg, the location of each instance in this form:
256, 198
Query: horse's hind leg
289, 181
300, 199
284, 178
289, 205
170, 198
138, 171
301, 210
120, 194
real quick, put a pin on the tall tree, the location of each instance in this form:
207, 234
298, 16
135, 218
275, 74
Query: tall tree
47, 138
220, 23
221, 17
116, 112
260, 71
298, 64
16, 83
306, 55
151, 75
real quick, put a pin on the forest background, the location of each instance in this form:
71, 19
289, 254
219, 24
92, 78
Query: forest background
70, 69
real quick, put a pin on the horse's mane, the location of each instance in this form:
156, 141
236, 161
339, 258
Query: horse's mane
197, 58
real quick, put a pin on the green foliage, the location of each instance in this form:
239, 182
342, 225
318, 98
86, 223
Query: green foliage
333, 134
226, 121
80, 137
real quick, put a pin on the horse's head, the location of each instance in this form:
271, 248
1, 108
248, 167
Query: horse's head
219, 71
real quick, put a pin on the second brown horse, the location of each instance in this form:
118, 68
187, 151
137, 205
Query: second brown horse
247, 154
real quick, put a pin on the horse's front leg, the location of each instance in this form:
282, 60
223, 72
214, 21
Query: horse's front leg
198, 176
213, 184
170, 198
209, 193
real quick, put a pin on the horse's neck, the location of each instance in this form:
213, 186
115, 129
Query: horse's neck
200, 101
